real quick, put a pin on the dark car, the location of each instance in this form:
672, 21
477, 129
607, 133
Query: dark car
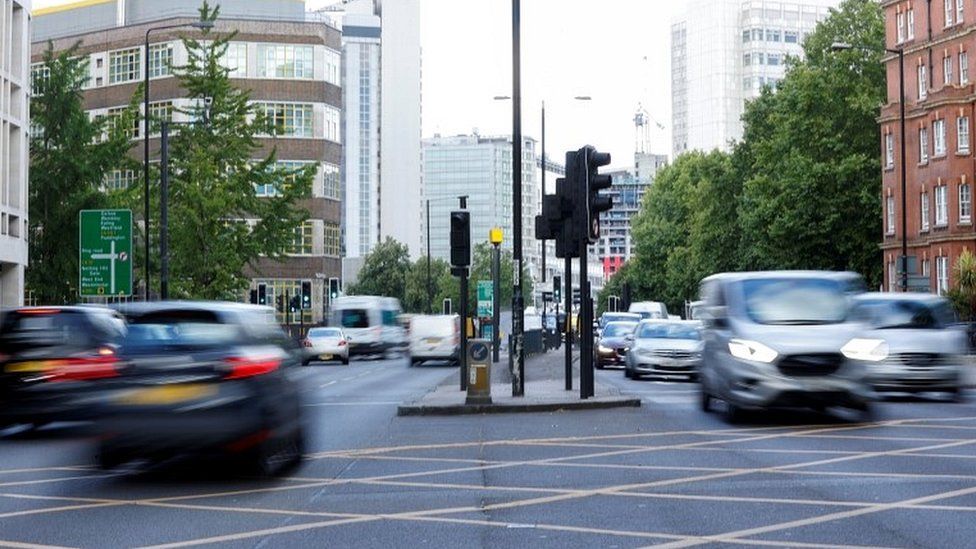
611, 349
212, 379
51, 360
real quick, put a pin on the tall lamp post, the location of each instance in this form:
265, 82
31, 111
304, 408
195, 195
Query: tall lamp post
900, 52
203, 25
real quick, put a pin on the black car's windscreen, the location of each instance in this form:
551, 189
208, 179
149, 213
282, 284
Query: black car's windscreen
183, 329
354, 318
619, 329
668, 331
21, 330
890, 314
795, 301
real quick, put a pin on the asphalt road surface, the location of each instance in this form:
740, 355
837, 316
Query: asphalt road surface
664, 474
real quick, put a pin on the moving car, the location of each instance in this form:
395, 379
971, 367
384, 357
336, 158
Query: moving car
371, 323
607, 318
52, 359
665, 348
326, 344
649, 309
204, 378
922, 347
615, 340
783, 339
435, 337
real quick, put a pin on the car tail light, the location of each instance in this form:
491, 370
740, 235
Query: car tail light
103, 364
342, 342
39, 311
241, 367
306, 342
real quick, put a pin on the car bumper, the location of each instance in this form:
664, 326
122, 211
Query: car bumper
897, 380
768, 390
326, 353
665, 366
610, 358
434, 354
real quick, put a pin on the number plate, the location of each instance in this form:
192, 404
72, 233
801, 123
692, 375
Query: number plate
168, 394
28, 367
433, 340
325, 357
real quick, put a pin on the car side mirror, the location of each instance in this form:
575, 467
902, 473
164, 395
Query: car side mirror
718, 317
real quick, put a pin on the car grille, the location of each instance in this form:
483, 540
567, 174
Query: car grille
810, 365
621, 352
919, 361
679, 355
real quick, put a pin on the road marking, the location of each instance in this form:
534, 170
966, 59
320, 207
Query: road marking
258, 533
324, 385
20, 545
367, 403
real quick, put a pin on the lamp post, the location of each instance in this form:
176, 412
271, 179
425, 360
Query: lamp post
203, 25
903, 260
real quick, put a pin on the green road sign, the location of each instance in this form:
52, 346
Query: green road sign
484, 298
105, 253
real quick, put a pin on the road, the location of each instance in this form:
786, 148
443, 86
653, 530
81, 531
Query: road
664, 474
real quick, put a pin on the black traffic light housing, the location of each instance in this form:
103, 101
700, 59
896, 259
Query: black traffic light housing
557, 288
280, 303
333, 289
295, 302
595, 203
460, 239
306, 294
262, 294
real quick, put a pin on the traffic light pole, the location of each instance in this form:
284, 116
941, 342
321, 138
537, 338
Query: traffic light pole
585, 327
496, 284
518, 313
463, 309
568, 327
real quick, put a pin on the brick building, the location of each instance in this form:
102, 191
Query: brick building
938, 38
292, 68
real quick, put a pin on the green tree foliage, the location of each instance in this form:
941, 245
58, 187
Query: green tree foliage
219, 226
481, 270
442, 285
70, 155
963, 294
384, 271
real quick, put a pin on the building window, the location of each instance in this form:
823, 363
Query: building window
965, 203
745, 36
900, 18
40, 74
119, 179
332, 60
773, 59
330, 182
285, 61
333, 238
158, 112
923, 145
941, 207
890, 215
892, 277
963, 68
960, 8
301, 243
962, 134
772, 35
925, 211
942, 275
277, 291
289, 119
949, 10
235, 60
123, 65
791, 37
116, 113
889, 150
911, 23
332, 123
947, 70
926, 267
923, 82
160, 59
938, 138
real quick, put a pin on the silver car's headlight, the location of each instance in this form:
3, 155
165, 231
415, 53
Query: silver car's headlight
751, 350
868, 350
603, 349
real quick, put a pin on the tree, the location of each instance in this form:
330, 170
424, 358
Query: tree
70, 155
963, 294
219, 226
811, 197
443, 285
481, 270
384, 271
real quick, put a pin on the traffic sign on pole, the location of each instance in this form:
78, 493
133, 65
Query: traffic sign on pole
484, 298
105, 253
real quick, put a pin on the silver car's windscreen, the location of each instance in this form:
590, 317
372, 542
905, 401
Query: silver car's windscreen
795, 301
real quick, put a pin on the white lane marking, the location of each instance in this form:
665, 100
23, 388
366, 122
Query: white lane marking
333, 382
373, 403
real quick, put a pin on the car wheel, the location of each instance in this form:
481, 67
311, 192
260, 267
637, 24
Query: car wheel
733, 413
957, 395
306, 362
108, 457
627, 373
706, 400
599, 365
274, 457
345, 361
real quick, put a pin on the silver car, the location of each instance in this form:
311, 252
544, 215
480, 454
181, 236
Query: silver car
665, 348
783, 339
923, 347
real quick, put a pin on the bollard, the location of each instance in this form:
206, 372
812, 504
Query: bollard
479, 372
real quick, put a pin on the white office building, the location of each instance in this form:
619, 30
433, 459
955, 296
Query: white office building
381, 94
723, 54
14, 88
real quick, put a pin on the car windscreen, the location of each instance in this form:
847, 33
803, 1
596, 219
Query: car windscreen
619, 329
179, 329
324, 332
668, 331
795, 301
25, 330
354, 318
917, 315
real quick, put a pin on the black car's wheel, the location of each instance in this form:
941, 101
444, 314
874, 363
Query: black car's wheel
627, 373
599, 365
705, 400
345, 361
957, 395
277, 456
733, 413
108, 457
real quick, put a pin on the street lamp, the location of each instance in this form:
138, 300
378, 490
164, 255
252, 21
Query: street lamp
203, 25
903, 261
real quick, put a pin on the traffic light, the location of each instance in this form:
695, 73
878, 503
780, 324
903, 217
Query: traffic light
295, 303
557, 288
595, 202
306, 294
333, 289
262, 294
576, 296
447, 306
460, 239
280, 303
254, 297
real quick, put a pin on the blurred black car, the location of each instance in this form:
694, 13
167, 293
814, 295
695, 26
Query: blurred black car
51, 360
616, 340
204, 379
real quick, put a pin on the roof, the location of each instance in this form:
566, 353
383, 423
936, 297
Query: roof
754, 275
892, 296
141, 307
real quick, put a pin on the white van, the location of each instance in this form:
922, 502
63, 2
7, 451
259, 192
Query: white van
371, 324
435, 337
649, 310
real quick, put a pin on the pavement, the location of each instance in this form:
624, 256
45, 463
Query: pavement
545, 391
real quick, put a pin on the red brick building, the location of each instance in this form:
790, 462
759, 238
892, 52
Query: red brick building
939, 41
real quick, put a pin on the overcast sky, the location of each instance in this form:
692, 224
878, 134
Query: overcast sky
615, 51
